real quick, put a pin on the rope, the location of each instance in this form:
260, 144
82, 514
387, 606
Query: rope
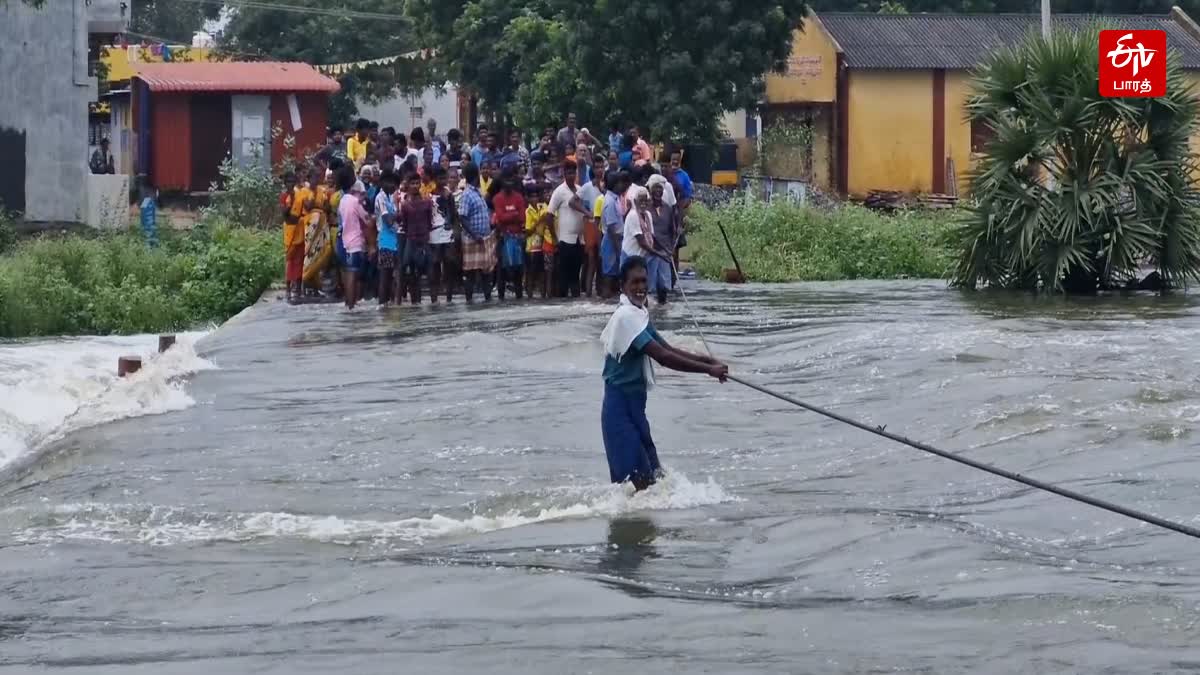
954, 457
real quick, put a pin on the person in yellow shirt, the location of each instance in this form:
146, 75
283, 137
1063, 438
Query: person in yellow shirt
535, 263
486, 173
356, 147
549, 237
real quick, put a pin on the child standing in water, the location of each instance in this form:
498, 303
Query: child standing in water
389, 241
549, 237
416, 219
510, 212
442, 239
628, 339
535, 259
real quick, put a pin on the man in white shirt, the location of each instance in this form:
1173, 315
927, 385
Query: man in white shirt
569, 213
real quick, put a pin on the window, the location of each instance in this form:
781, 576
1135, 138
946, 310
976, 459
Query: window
981, 135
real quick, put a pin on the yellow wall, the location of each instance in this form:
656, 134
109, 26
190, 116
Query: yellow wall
958, 128
812, 68
891, 131
121, 69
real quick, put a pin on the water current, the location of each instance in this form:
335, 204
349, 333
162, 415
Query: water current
306, 490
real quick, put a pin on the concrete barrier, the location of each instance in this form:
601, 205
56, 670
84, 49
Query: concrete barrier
107, 201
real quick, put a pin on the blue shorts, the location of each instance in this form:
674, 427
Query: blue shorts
356, 262
512, 251
627, 442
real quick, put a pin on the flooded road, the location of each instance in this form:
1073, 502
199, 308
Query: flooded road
423, 491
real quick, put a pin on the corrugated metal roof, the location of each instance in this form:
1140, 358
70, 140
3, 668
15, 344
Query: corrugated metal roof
961, 41
234, 76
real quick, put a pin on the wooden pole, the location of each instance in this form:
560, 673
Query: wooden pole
165, 342
741, 278
128, 365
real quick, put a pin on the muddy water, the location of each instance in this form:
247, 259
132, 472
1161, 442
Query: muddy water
423, 491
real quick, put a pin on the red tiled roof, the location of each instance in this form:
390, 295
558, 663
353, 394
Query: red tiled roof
233, 76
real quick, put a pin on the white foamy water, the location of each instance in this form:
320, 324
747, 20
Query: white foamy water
51, 388
166, 526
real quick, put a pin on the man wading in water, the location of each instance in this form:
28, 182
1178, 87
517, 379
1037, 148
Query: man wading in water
628, 376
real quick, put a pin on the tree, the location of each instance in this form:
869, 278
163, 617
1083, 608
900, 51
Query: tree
170, 20
1075, 192
676, 71
320, 38
672, 72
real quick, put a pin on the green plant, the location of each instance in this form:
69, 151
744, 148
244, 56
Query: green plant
245, 196
1075, 192
782, 241
114, 283
8, 230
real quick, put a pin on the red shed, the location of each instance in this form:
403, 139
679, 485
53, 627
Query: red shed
189, 117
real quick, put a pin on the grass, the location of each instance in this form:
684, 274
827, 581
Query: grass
782, 241
116, 284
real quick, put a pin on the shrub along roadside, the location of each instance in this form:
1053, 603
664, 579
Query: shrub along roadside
781, 241
116, 284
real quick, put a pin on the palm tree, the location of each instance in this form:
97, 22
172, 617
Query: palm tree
1075, 192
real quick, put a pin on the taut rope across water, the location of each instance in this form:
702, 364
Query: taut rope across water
954, 457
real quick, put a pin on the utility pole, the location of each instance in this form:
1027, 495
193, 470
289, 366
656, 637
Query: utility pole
1045, 19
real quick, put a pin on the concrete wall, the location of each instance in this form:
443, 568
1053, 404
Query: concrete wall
891, 131
43, 74
397, 112
733, 122
107, 201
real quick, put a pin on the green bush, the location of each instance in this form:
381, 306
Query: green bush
8, 230
116, 284
245, 196
783, 241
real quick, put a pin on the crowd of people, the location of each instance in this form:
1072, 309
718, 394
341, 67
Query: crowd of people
377, 214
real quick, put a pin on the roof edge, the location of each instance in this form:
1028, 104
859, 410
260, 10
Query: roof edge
1189, 26
815, 18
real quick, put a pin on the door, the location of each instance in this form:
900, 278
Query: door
252, 131
210, 138
12, 170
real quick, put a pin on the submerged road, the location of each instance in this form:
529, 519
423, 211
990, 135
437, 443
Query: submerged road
423, 490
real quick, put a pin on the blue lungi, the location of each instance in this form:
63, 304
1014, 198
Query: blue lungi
658, 274
610, 256
627, 442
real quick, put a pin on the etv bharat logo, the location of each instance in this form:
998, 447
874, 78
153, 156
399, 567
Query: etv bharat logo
1133, 63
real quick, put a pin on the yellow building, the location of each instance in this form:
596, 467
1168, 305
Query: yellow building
121, 61
885, 94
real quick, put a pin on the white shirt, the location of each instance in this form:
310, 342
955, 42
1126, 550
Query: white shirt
629, 242
399, 161
440, 234
570, 221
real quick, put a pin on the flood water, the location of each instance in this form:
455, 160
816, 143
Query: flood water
424, 491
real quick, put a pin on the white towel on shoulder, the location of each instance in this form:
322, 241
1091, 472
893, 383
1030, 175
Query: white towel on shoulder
623, 326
